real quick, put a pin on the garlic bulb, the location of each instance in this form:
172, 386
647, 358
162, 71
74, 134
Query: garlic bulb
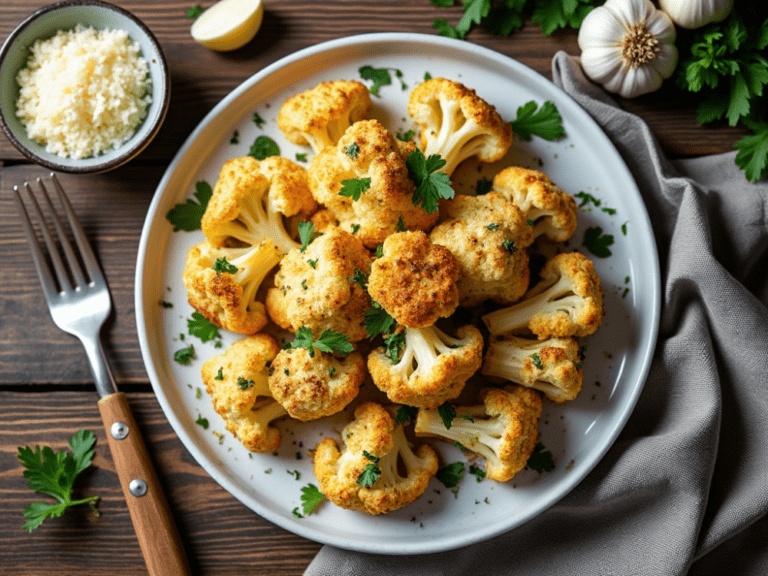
696, 13
628, 46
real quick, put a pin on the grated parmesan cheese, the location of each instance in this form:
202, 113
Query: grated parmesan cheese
84, 91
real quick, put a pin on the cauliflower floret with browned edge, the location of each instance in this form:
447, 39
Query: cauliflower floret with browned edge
320, 115
316, 287
312, 386
567, 301
431, 368
488, 236
551, 211
250, 199
237, 382
456, 124
222, 283
376, 471
503, 429
552, 366
370, 160
415, 280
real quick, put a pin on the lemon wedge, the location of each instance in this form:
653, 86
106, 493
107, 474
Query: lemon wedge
228, 24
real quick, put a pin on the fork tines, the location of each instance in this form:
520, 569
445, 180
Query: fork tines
81, 267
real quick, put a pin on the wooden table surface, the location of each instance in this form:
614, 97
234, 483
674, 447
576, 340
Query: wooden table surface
46, 391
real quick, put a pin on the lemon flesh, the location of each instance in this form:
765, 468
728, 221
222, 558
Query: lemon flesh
228, 24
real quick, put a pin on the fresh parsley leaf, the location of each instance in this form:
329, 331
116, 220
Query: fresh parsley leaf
544, 122
450, 474
371, 457
369, 476
509, 246
479, 473
552, 15
310, 498
219, 374
380, 77
264, 147
306, 234
401, 227
406, 414
329, 341
492, 227
431, 185
541, 460
201, 327
54, 473
378, 321
354, 187
406, 136
597, 242
258, 120
447, 413
301, 156
243, 383
586, 198
352, 151
752, 155
394, 344
536, 359
313, 263
203, 422
185, 355
187, 216
360, 279
221, 265
194, 12
445, 29
355, 228
474, 12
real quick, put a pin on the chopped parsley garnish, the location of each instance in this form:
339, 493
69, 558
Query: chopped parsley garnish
541, 460
243, 383
536, 359
301, 156
450, 474
219, 374
221, 265
406, 414
202, 422
295, 473
427, 76
296, 512
235, 138
331, 371
313, 263
258, 120
431, 185
369, 476
187, 216
371, 457
586, 198
201, 327
264, 147
380, 77
380, 250
479, 473
194, 12
185, 355
544, 122
378, 321
467, 417
447, 413
394, 344
530, 222
401, 227
329, 341
165, 304
354, 187
352, 151
483, 186
54, 473
355, 228
492, 227
597, 242
304, 284
360, 279
509, 246
405, 136
624, 228
310, 498
306, 234
609, 211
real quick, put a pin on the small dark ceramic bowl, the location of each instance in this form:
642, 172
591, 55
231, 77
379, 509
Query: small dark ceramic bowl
44, 23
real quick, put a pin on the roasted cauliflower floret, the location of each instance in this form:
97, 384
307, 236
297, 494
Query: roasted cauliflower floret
551, 366
312, 386
369, 164
432, 368
552, 211
455, 123
568, 301
320, 115
222, 283
251, 197
237, 382
488, 236
316, 288
414, 280
504, 429
376, 471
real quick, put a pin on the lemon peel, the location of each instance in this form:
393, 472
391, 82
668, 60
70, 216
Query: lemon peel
228, 24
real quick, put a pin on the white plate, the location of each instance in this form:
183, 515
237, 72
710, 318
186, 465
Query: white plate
577, 433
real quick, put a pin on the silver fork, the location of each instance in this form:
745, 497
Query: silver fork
79, 301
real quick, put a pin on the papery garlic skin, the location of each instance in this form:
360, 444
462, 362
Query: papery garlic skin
628, 46
696, 13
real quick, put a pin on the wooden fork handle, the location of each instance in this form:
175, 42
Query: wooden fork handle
152, 520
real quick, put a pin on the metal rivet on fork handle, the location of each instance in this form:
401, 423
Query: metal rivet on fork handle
137, 487
118, 430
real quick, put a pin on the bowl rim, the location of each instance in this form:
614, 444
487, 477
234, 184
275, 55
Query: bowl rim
127, 154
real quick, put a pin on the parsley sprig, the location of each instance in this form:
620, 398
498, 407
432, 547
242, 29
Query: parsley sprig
310, 498
431, 185
544, 121
187, 216
329, 341
54, 473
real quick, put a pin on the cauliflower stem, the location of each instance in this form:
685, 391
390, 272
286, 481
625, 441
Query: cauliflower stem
256, 222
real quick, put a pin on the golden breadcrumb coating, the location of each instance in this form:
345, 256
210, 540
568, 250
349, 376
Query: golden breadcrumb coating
457, 124
228, 300
315, 289
368, 151
415, 280
403, 474
552, 211
320, 115
237, 384
489, 237
310, 387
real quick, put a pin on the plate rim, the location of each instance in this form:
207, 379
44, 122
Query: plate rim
141, 305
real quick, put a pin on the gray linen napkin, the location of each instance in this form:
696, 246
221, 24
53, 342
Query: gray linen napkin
684, 490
